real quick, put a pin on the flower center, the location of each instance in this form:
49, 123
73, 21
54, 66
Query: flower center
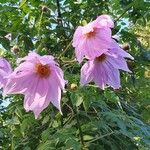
101, 58
42, 70
90, 34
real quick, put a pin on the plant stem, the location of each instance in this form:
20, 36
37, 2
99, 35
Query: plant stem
12, 143
75, 109
64, 51
39, 26
108, 134
79, 126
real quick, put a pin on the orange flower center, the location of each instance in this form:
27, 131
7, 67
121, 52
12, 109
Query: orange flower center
101, 58
90, 34
42, 70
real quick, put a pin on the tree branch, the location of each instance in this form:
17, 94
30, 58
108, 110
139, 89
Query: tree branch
126, 9
59, 17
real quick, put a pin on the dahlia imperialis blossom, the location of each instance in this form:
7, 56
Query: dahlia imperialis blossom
5, 70
93, 39
40, 79
104, 70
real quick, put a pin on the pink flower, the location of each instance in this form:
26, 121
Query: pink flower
93, 39
104, 70
5, 70
40, 79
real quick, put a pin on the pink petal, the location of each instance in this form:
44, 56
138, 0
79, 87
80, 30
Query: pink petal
54, 94
25, 67
104, 35
18, 85
113, 76
94, 48
115, 49
100, 76
105, 21
77, 36
88, 28
80, 50
32, 57
5, 66
47, 60
87, 73
59, 77
118, 63
38, 100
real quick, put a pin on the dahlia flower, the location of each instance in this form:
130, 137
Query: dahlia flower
40, 79
104, 70
93, 39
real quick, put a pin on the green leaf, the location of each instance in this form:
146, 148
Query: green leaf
46, 146
111, 96
87, 137
72, 144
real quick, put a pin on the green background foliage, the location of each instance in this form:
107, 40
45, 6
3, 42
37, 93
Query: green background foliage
92, 119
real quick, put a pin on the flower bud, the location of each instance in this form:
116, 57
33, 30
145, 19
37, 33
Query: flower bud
147, 74
15, 49
126, 46
45, 9
73, 86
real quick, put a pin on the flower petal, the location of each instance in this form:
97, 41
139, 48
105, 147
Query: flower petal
113, 76
86, 73
118, 63
100, 76
115, 49
38, 100
105, 21
54, 93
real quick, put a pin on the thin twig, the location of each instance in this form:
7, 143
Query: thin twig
108, 134
71, 116
90, 85
69, 61
59, 17
126, 9
39, 25
64, 51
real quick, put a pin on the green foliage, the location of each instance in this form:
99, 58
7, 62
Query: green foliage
92, 119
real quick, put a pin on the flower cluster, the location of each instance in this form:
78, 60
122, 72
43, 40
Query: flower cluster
94, 42
40, 79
